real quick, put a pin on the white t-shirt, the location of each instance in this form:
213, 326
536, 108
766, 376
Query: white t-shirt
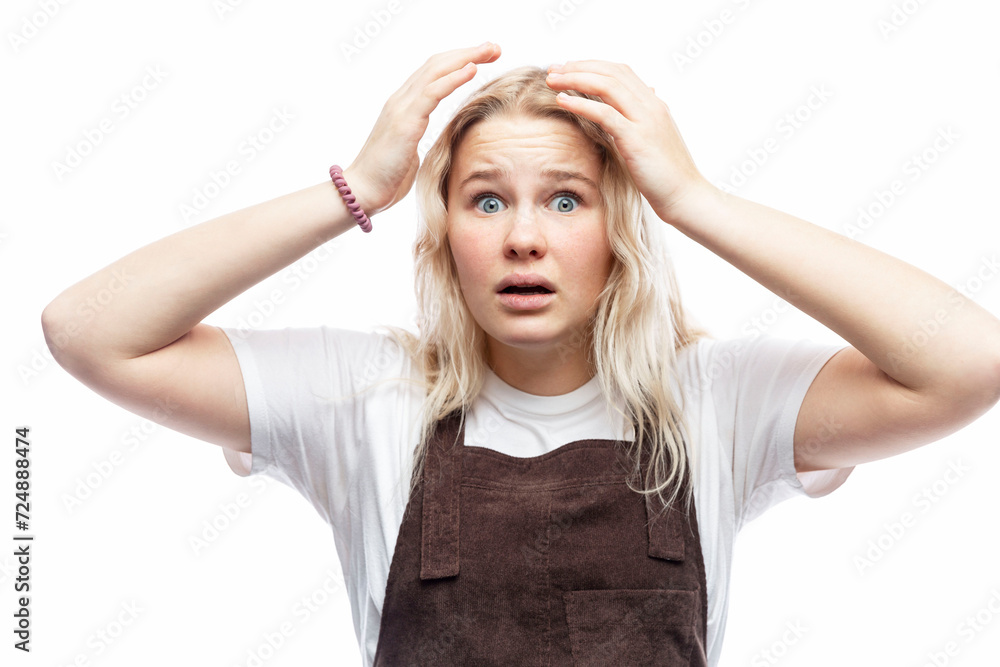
351, 457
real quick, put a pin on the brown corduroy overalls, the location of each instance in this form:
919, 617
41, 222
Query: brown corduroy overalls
548, 560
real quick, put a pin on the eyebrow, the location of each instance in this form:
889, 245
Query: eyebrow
499, 173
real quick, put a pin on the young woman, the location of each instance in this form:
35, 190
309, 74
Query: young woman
554, 471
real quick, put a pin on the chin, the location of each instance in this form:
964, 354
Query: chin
529, 336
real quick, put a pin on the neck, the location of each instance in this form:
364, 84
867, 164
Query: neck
542, 372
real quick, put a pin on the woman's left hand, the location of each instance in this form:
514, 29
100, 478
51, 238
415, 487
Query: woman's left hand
642, 127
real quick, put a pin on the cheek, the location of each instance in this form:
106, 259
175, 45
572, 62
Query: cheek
470, 258
592, 260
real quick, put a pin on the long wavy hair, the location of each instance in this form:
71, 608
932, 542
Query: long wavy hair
635, 334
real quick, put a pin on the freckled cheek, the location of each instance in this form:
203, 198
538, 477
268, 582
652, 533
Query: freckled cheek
598, 262
471, 263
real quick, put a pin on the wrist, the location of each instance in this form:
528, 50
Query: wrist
684, 208
361, 191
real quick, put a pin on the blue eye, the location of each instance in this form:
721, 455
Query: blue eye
494, 204
562, 197
486, 196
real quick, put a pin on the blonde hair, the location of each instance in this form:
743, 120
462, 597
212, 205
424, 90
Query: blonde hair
639, 325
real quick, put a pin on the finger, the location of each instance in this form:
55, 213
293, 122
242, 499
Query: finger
442, 64
432, 94
619, 71
609, 89
603, 114
441, 75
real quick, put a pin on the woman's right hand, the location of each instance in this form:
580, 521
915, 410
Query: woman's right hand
387, 165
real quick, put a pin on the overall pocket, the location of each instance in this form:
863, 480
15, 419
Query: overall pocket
653, 627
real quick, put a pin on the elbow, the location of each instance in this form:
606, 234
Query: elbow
61, 336
984, 387
973, 395
960, 400
59, 332
991, 373
995, 386
51, 328
974, 383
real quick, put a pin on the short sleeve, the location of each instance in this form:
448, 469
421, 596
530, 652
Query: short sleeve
301, 386
758, 387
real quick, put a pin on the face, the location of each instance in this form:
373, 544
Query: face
523, 199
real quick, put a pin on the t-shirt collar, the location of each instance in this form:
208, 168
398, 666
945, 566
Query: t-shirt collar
514, 398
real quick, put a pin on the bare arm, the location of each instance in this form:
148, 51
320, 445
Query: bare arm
132, 331
162, 290
923, 360
144, 347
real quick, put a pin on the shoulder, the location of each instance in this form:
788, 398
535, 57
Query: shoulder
710, 361
318, 359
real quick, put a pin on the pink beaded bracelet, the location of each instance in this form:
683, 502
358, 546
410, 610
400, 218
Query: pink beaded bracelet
338, 179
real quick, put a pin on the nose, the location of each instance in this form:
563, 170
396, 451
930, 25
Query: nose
525, 237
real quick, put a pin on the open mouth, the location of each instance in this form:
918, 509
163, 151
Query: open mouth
525, 289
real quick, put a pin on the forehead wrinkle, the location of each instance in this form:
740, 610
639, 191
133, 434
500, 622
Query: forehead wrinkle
504, 174
504, 137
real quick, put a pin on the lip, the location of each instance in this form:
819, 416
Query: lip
525, 280
526, 301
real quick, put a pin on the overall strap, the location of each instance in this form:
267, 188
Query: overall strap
666, 531
441, 480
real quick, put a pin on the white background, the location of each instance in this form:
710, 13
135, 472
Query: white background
225, 72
